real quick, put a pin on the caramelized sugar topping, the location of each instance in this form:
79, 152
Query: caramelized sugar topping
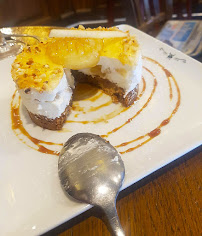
33, 69
41, 66
123, 49
75, 53
72, 49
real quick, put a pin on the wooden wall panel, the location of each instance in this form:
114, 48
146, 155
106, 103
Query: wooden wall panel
13, 12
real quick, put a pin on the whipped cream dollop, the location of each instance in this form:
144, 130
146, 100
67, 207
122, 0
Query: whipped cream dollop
50, 104
125, 76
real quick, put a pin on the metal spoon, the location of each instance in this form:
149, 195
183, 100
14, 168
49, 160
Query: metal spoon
91, 171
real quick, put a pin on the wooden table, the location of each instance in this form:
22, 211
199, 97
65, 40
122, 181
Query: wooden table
166, 202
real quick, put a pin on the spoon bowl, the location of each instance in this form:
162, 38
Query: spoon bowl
92, 171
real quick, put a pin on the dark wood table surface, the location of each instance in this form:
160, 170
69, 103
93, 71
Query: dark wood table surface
167, 202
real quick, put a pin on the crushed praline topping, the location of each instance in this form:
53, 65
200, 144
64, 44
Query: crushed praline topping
32, 67
41, 66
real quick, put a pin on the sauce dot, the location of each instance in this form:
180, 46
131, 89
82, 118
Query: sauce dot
154, 133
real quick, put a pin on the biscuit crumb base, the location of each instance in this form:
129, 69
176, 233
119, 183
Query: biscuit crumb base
117, 94
52, 124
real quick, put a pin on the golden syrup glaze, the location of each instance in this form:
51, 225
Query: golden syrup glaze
17, 122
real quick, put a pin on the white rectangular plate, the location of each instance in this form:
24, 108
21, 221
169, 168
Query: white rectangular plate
31, 199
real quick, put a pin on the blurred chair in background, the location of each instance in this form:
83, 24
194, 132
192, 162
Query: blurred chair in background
150, 15
143, 14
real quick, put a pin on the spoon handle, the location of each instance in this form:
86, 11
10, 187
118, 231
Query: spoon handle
113, 219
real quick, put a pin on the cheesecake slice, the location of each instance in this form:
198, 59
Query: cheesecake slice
118, 68
45, 74
43, 86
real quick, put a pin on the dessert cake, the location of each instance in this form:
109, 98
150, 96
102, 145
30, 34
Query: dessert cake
47, 73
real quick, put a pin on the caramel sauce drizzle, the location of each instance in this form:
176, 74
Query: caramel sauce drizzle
166, 72
152, 134
143, 88
106, 117
93, 95
84, 91
143, 107
100, 106
75, 107
133, 148
18, 125
96, 97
